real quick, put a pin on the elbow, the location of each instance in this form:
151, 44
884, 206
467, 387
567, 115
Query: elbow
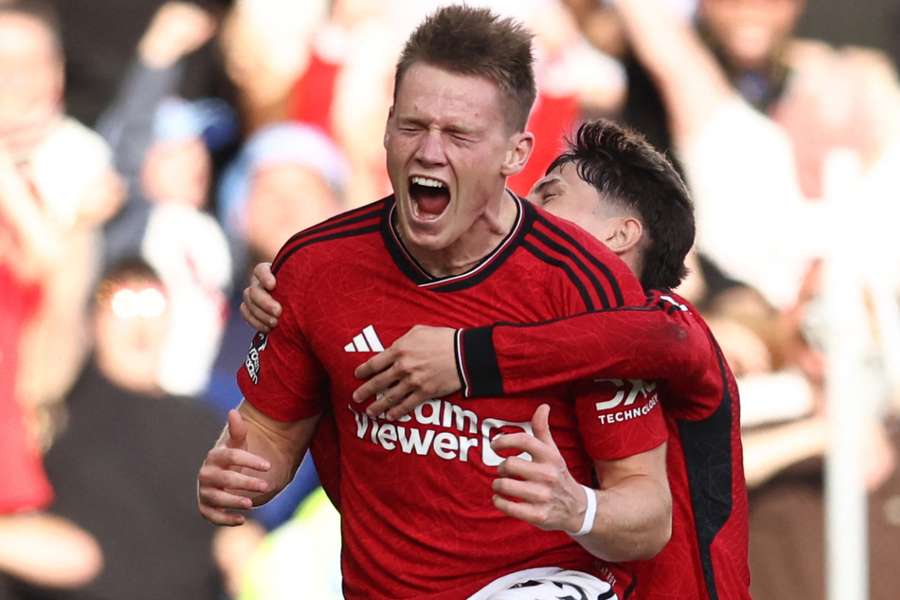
83, 565
659, 533
72, 560
658, 538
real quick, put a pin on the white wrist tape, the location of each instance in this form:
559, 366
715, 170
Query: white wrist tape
589, 513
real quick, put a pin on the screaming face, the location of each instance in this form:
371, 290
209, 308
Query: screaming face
449, 150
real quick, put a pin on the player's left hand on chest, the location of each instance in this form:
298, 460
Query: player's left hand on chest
540, 491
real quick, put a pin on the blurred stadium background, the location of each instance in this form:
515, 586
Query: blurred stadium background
151, 152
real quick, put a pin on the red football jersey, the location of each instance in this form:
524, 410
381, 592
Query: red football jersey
24, 485
415, 494
665, 339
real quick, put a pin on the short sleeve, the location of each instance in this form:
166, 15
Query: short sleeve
281, 377
619, 417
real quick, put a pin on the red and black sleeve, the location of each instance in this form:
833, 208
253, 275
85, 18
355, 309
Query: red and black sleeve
662, 340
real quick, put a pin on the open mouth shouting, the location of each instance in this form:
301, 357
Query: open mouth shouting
429, 197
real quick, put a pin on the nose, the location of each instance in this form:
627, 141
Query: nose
431, 149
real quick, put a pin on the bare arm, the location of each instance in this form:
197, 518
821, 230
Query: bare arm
599, 24
634, 508
692, 83
24, 542
37, 237
769, 451
252, 461
633, 515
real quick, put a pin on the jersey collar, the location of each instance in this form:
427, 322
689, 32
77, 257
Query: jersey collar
423, 279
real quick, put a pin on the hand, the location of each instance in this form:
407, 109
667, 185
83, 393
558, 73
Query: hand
258, 307
222, 485
417, 367
177, 29
548, 496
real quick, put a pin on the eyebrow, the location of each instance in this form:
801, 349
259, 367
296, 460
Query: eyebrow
546, 182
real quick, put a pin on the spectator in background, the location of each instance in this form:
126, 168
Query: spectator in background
266, 46
162, 145
186, 245
288, 177
99, 38
123, 429
58, 178
34, 546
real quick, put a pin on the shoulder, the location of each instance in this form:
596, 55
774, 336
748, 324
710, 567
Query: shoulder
586, 260
317, 245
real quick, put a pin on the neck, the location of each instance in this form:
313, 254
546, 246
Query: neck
633, 259
485, 234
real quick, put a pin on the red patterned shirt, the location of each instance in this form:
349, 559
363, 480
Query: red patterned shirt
415, 493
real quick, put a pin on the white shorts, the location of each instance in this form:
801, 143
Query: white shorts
546, 583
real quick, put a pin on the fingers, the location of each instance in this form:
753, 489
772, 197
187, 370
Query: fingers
259, 305
375, 365
408, 404
252, 319
525, 442
526, 491
220, 517
234, 457
540, 424
378, 381
519, 468
386, 400
237, 430
263, 273
226, 479
263, 301
220, 499
519, 510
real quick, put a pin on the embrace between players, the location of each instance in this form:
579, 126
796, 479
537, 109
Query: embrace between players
554, 431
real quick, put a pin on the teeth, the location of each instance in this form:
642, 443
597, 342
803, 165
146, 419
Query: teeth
428, 182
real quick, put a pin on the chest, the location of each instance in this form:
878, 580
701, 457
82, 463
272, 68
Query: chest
361, 309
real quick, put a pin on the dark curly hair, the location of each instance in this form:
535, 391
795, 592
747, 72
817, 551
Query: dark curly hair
626, 170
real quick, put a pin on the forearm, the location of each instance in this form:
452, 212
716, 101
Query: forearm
283, 452
638, 343
691, 81
772, 450
599, 24
37, 235
633, 521
127, 124
24, 540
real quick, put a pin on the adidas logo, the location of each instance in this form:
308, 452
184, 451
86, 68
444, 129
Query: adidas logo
367, 341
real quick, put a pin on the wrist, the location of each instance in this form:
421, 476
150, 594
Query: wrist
582, 522
156, 54
476, 363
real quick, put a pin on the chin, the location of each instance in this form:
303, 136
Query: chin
427, 238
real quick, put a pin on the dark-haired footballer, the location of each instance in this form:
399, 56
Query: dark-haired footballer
428, 501
625, 194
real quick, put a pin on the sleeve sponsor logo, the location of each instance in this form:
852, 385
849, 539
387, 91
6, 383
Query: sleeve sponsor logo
633, 398
260, 341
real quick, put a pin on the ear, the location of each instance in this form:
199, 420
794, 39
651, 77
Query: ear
626, 234
387, 127
521, 145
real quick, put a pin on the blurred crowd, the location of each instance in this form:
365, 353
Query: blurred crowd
152, 152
